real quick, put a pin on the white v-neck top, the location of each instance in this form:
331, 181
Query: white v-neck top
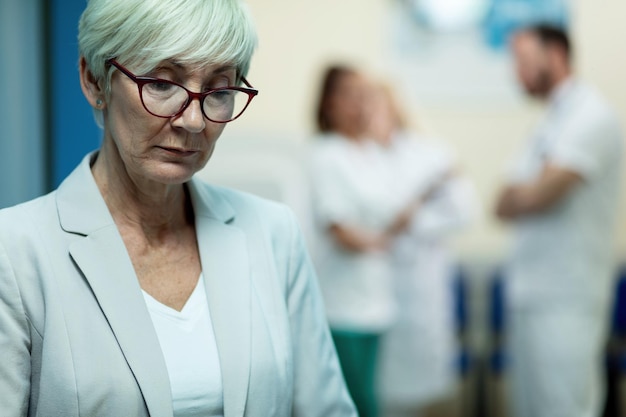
190, 351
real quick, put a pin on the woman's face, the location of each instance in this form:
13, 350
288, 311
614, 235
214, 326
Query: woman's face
381, 118
347, 105
164, 150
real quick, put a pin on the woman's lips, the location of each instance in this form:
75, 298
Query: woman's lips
179, 151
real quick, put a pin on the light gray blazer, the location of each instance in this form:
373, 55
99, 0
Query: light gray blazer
76, 338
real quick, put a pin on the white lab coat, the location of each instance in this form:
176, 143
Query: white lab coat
418, 352
562, 266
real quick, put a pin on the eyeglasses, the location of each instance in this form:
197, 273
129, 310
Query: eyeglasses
164, 98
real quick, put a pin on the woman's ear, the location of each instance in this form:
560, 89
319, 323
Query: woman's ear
90, 86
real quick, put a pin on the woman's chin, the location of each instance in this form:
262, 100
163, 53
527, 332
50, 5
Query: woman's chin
172, 173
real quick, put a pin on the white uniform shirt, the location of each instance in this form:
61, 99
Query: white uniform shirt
350, 185
565, 255
190, 351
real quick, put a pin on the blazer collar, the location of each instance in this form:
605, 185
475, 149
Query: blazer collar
80, 205
102, 258
78, 195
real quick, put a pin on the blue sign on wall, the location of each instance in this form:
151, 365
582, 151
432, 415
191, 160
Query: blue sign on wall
504, 16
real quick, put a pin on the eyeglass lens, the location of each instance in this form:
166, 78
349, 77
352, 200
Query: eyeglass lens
166, 99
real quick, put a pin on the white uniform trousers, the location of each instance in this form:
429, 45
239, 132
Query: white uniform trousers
557, 363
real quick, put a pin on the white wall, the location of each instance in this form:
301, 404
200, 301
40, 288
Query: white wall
298, 38
600, 33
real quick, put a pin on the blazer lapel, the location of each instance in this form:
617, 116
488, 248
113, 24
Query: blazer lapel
225, 265
102, 257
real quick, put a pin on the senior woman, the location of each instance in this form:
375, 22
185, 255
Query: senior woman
136, 290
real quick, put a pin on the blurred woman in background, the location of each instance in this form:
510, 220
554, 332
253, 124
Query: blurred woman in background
357, 215
418, 374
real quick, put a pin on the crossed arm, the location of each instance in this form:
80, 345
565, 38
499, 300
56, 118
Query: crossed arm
362, 240
552, 186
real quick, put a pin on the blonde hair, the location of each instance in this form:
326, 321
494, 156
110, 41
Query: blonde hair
143, 33
390, 95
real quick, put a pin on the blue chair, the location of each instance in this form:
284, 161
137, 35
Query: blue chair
465, 359
496, 360
497, 322
618, 325
460, 300
616, 350
460, 284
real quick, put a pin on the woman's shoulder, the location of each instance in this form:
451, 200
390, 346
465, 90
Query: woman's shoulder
28, 213
328, 143
26, 228
225, 202
267, 224
424, 146
238, 198
330, 151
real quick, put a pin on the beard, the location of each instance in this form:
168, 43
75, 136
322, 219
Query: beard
541, 86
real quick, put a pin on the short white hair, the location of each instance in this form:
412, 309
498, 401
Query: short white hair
143, 33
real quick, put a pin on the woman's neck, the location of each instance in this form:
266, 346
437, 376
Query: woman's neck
351, 134
139, 204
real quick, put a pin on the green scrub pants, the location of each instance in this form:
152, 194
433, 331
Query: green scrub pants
358, 355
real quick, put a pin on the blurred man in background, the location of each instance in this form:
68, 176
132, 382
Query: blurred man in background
563, 201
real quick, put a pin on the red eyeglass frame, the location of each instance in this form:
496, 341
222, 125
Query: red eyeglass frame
143, 80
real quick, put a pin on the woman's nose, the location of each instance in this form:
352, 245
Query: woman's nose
191, 118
